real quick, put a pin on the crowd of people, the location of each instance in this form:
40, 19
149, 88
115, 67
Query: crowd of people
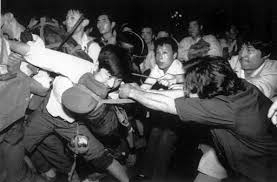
83, 105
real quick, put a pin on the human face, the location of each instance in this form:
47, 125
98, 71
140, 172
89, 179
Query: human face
250, 58
164, 56
103, 76
147, 35
194, 29
71, 19
162, 34
104, 24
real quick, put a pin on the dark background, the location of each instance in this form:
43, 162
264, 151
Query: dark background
256, 17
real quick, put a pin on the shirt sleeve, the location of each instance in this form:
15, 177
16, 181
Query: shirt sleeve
149, 82
266, 80
213, 112
58, 62
93, 52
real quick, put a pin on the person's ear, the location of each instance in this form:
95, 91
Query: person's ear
113, 24
85, 22
201, 27
175, 55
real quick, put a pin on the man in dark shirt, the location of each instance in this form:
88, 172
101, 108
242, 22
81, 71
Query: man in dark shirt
236, 111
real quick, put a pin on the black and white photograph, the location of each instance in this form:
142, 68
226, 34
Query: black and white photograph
138, 91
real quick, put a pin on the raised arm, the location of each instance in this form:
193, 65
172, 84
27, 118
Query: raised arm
54, 61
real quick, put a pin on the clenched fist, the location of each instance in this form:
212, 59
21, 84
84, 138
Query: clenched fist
125, 89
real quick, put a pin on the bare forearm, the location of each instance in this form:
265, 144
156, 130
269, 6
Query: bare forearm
154, 101
169, 93
19, 47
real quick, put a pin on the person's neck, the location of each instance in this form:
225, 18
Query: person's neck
107, 36
78, 36
247, 73
196, 37
150, 45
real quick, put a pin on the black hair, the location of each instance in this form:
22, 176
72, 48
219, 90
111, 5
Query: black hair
166, 40
114, 59
108, 14
149, 26
210, 76
198, 19
263, 46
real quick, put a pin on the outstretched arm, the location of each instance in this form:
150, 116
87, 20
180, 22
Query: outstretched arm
156, 101
54, 61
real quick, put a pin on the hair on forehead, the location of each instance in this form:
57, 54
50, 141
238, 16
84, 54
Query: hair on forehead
108, 14
74, 12
115, 60
166, 40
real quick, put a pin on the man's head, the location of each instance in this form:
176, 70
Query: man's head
253, 54
165, 51
195, 27
105, 23
147, 34
113, 66
208, 77
162, 34
72, 18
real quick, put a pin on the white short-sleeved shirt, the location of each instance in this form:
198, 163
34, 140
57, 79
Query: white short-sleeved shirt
175, 68
264, 77
70, 68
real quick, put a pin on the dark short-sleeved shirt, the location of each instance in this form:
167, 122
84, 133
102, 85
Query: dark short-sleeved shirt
241, 131
14, 99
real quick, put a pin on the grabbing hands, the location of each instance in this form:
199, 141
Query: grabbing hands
167, 80
125, 89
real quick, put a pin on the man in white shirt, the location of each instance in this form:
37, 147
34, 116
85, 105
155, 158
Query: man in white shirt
53, 117
206, 44
162, 137
253, 64
87, 44
166, 62
148, 36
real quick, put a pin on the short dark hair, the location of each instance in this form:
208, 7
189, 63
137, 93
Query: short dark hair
166, 40
198, 19
210, 76
114, 59
263, 46
108, 14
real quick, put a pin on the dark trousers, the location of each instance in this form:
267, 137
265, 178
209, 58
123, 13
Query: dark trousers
51, 153
42, 124
12, 165
158, 153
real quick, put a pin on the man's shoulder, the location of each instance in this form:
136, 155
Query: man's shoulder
185, 40
209, 37
270, 65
